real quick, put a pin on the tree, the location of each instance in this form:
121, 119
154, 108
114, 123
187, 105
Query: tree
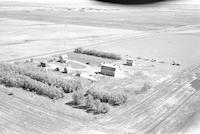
89, 103
78, 98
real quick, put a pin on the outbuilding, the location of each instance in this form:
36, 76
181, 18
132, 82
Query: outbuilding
63, 58
130, 61
43, 64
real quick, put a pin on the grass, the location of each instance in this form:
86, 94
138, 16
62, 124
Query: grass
76, 65
92, 60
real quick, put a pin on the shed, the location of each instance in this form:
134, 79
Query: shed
43, 64
63, 58
110, 70
130, 61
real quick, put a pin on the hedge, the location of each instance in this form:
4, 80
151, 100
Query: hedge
98, 53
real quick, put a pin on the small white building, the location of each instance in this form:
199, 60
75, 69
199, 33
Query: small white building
111, 70
130, 61
63, 58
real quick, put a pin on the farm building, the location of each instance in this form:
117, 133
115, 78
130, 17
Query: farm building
130, 61
63, 58
43, 64
110, 70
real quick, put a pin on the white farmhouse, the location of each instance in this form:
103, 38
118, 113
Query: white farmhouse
111, 70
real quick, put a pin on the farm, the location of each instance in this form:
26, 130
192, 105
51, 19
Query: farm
58, 75
65, 70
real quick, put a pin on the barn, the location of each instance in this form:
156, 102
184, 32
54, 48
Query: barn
110, 69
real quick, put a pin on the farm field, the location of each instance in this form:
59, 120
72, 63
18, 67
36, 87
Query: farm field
165, 47
31, 38
156, 38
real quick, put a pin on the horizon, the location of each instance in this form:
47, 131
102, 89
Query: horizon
92, 2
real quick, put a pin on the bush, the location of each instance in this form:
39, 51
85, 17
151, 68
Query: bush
78, 98
102, 96
98, 53
117, 99
100, 107
144, 89
111, 98
89, 103
146, 86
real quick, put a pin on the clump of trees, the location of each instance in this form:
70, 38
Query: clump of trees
98, 53
110, 98
51, 79
117, 99
37, 80
96, 105
11, 79
90, 104
97, 101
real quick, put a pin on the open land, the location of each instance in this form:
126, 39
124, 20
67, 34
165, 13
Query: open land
154, 39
